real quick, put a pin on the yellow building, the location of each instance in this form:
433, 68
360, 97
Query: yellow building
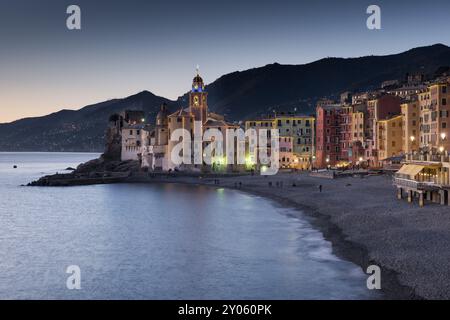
435, 117
410, 126
301, 130
389, 135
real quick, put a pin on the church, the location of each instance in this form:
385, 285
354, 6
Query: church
156, 148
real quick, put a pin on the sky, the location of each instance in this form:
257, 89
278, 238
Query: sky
125, 47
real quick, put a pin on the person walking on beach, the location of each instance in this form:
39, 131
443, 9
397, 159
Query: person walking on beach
320, 188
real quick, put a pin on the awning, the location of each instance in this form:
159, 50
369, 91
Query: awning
410, 170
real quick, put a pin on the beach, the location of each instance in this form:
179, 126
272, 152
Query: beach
366, 224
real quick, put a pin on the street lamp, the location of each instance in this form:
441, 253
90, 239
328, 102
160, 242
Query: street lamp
412, 138
443, 136
441, 149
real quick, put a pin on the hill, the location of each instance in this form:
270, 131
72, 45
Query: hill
238, 95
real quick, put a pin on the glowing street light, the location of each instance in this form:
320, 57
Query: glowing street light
443, 136
360, 159
441, 149
412, 138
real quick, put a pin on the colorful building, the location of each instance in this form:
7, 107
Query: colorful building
345, 139
286, 152
380, 108
411, 134
328, 126
434, 116
300, 130
389, 135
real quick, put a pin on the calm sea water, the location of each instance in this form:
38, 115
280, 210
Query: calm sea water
137, 241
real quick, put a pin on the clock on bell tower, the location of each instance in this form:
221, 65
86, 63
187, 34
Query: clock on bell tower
198, 99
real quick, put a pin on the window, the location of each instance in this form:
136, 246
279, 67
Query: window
131, 132
444, 102
138, 132
444, 125
279, 123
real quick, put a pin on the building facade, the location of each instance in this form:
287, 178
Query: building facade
411, 134
328, 126
380, 108
389, 135
301, 133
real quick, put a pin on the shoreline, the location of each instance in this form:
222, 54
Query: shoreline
360, 216
350, 251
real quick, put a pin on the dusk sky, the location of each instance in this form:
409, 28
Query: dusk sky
128, 46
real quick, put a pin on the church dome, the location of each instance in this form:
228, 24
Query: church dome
197, 79
197, 84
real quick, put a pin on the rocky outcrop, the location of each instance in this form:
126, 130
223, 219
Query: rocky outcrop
97, 171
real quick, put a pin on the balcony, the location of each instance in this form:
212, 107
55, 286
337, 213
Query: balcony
413, 184
427, 157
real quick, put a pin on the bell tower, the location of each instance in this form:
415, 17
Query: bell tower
198, 99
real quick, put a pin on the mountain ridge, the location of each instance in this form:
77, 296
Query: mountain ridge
238, 95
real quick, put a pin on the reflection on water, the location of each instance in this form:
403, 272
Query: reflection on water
138, 241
